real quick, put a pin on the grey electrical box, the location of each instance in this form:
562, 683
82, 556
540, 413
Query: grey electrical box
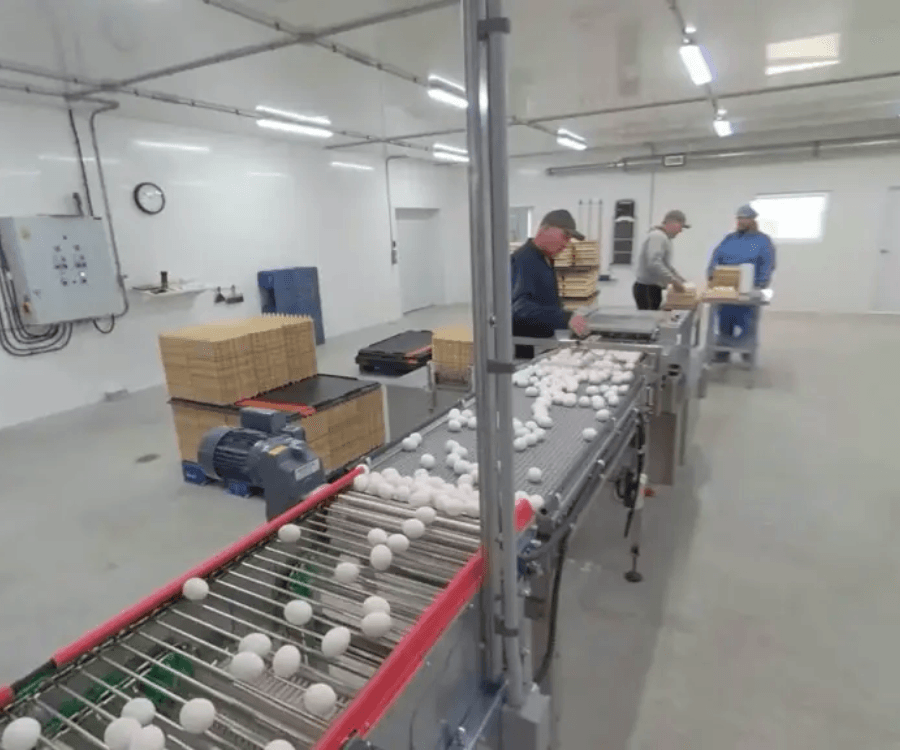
61, 268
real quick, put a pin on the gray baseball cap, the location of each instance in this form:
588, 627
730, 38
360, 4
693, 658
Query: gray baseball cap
562, 219
678, 216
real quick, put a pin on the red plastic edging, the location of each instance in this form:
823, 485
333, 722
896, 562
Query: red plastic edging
126, 617
6, 696
398, 670
302, 409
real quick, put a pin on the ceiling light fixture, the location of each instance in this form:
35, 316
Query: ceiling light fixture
443, 152
695, 61
570, 140
351, 165
722, 127
447, 92
690, 29
311, 119
296, 128
173, 146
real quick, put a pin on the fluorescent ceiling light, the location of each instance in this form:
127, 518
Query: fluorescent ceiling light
267, 174
443, 152
311, 119
722, 127
774, 70
451, 149
447, 92
173, 146
695, 62
351, 165
690, 29
296, 128
570, 140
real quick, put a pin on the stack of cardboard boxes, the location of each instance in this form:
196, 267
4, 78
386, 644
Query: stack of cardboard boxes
725, 284
452, 354
577, 271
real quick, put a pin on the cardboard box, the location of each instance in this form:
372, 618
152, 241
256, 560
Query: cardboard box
726, 276
686, 300
452, 353
585, 254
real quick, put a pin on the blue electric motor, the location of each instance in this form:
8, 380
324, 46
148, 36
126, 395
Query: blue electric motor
267, 453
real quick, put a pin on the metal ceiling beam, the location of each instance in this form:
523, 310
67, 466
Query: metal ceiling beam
303, 37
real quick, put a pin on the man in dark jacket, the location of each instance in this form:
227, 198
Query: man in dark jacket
536, 309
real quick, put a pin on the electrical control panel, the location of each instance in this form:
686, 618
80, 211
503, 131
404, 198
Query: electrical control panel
61, 268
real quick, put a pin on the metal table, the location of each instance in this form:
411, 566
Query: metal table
713, 347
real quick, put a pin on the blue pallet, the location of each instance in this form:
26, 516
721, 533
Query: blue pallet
293, 291
194, 474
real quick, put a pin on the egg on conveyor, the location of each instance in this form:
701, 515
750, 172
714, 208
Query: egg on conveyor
427, 461
195, 589
454, 414
361, 482
419, 497
376, 624
461, 467
398, 543
140, 709
417, 437
257, 643
409, 444
148, 738
520, 443
346, 572
377, 536
22, 734
385, 491
472, 423
454, 425
612, 399
584, 401
426, 514
116, 736
413, 527
571, 399
298, 612
603, 415
376, 604
391, 474
536, 502
279, 745
452, 506
531, 391
199, 714
592, 390
535, 474
319, 699
286, 661
381, 556
246, 666
335, 642
544, 422
589, 433
451, 459
290, 532
451, 446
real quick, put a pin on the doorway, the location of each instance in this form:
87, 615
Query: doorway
418, 254
887, 280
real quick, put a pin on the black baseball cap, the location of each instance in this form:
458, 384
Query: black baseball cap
562, 219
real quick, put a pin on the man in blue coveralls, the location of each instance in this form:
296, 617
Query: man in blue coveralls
536, 309
737, 323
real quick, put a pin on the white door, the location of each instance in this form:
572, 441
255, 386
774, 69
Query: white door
887, 289
418, 254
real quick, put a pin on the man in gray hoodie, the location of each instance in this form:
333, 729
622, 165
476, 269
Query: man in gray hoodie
654, 270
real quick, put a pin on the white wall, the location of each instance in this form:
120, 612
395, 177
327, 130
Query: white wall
836, 274
245, 205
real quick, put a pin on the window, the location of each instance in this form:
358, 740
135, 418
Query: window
623, 233
519, 224
808, 53
797, 216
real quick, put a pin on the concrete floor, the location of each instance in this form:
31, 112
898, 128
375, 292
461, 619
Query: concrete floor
767, 618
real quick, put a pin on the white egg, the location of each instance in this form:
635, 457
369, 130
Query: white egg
452, 506
474, 474
398, 543
545, 422
467, 414
451, 460
454, 425
535, 474
290, 533
520, 443
298, 612
381, 556
199, 714
472, 423
420, 473
451, 446
540, 434
377, 536
409, 444
531, 439
376, 624
247, 666
461, 467
454, 414
520, 431
589, 433
419, 498
571, 399
375, 477
141, 709
462, 451
413, 528
319, 699
335, 642
116, 736
531, 391
436, 482
427, 460
602, 415
385, 491
592, 390
612, 399
402, 493
628, 377
148, 738
584, 401
417, 437
598, 402
426, 514
465, 480
536, 502
256, 643
346, 572
195, 589
361, 482
286, 662
279, 745
390, 474
376, 604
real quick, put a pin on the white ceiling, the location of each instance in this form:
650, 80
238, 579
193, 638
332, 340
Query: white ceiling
565, 57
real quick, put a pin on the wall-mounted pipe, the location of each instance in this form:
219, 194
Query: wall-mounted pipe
724, 157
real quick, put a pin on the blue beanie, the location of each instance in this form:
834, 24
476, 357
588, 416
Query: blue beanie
746, 212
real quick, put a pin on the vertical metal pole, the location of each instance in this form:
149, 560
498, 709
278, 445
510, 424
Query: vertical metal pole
502, 329
483, 340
